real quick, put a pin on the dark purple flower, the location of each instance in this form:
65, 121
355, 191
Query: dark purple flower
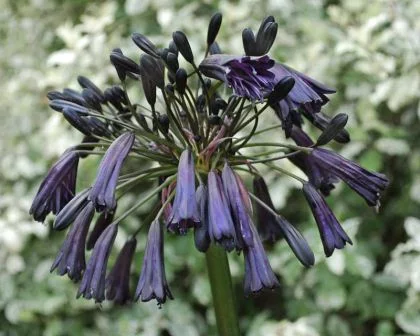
152, 283
367, 184
71, 258
319, 177
332, 234
307, 94
201, 233
57, 188
102, 222
184, 210
241, 212
248, 76
258, 272
102, 193
93, 282
221, 226
118, 279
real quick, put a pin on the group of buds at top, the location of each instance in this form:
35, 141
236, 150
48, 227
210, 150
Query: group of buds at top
196, 140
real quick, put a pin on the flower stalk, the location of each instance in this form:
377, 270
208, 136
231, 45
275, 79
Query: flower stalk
222, 292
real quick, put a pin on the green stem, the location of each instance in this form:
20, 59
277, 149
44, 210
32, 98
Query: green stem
222, 292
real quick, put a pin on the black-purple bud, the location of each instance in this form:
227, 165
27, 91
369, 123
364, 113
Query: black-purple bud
214, 26
281, 90
334, 127
181, 80
76, 120
173, 48
248, 40
86, 83
163, 122
145, 44
266, 36
91, 99
181, 41
172, 62
123, 64
153, 70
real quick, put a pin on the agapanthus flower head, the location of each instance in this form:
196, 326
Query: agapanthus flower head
152, 283
57, 188
93, 281
192, 148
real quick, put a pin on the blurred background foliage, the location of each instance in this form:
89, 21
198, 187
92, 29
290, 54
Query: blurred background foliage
368, 50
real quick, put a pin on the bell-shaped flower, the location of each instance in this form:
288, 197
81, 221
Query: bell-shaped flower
57, 188
258, 272
71, 258
93, 281
184, 210
102, 193
152, 283
332, 234
240, 211
366, 183
221, 226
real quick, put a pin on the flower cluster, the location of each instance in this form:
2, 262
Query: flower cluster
193, 141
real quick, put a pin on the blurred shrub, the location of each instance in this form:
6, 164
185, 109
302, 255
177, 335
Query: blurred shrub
370, 51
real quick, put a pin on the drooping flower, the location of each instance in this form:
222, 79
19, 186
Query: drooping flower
241, 213
248, 76
221, 226
57, 188
184, 210
71, 258
118, 280
93, 281
258, 272
102, 193
332, 234
367, 184
152, 283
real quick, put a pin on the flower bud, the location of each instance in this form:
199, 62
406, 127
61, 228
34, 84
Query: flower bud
183, 46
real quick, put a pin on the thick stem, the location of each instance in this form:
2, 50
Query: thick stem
222, 292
